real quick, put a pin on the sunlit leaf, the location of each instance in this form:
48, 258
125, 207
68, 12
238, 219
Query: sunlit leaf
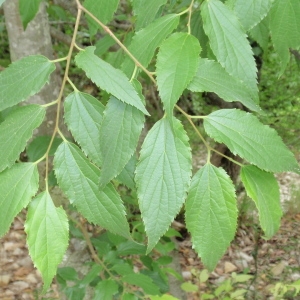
23, 79
47, 231
211, 213
17, 185
177, 63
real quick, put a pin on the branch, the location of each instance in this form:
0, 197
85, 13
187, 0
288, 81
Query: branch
295, 53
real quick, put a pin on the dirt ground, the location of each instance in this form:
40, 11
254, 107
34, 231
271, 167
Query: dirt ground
269, 262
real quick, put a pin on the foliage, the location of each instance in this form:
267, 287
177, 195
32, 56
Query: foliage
281, 101
228, 289
113, 275
107, 133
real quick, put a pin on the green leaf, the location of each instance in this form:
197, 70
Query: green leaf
103, 10
123, 268
212, 77
91, 275
145, 41
198, 31
263, 188
28, 10
119, 135
106, 289
189, 287
211, 213
285, 28
47, 231
204, 276
261, 33
17, 185
78, 178
103, 44
83, 115
130, 248
143, 281
108, 78
244, 135
162, 176
67, 273
23, 79
127, 296
229, 43
250, 13
16, 130
176, 65
127, 175
1, 2
38, 147
163, 297
146, 11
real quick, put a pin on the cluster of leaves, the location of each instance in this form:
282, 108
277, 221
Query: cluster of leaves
228, 289
214, 55
281, 101
117, 273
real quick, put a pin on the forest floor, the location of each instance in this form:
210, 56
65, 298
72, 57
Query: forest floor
268, 262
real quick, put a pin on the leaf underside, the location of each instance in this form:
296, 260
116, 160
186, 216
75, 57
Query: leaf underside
162, 176
78, 179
